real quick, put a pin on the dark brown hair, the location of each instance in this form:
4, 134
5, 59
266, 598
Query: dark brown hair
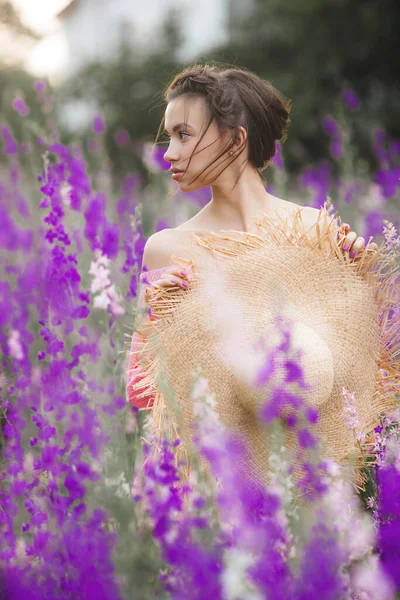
234, 97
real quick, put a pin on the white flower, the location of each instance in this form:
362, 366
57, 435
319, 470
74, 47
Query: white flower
28, 462
14, 345
131, 425
115, 306
123, 490
392, 452
368, 580
101, 301
20, 549
355, 527
204, 404
65, 190
329, 207
108, 296
332, 468
350, 414
36, 377
390, 234
234, 580
102, 259
119, 482
199, 388
171, 535
101, 277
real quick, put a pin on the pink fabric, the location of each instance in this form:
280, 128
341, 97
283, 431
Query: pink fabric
135, 374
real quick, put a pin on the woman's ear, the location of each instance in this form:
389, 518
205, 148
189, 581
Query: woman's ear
241, 138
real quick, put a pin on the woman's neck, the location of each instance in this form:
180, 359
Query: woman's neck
237, 208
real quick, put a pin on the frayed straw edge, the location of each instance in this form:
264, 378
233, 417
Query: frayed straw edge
377, 267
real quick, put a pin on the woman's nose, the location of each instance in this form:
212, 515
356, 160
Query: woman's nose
171, 155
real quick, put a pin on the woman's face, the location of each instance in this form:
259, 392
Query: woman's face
191, 117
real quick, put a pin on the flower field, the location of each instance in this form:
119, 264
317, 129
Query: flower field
73, 526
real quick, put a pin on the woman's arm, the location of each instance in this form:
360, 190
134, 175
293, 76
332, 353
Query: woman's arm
135, 373
157, 253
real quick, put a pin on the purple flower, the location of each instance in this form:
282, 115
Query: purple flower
20, 106
306, 439
311, 414
351, 192
110, 241
98, 124
330, 126
381, 139
280, 399
320, 573
10, 145
337, 147
318, 179
389, 514
291, 420
157, 159
294, 372
40, 86
277, 158
122, 137
351, 98
389, 180
373, 223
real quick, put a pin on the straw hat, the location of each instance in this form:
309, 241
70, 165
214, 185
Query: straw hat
340, 316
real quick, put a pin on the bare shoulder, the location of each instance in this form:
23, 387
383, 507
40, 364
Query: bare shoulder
309, 214
311, 218
162, 245
312, 214
156, 250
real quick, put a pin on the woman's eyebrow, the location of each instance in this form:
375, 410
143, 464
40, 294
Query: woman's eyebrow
176, 127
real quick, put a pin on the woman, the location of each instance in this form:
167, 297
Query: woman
222, 126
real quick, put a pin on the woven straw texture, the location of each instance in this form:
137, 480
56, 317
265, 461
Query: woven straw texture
339, 314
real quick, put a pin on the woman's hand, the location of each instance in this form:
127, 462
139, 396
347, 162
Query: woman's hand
352, 244
173, 277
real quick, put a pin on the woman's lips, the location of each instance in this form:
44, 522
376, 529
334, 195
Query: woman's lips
177, 175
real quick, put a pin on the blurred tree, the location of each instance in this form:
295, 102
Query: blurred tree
15, 83
16, 40
311, 51
127, 90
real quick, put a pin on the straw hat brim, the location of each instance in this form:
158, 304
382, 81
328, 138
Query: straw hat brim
334, 309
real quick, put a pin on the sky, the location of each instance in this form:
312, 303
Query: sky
49, 55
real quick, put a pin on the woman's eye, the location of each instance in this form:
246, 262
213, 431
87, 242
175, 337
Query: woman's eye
168, 137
